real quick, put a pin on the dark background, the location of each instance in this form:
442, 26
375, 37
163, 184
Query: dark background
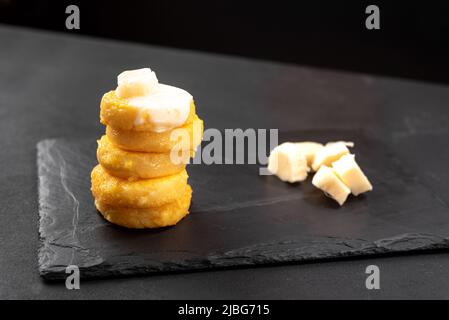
412, 42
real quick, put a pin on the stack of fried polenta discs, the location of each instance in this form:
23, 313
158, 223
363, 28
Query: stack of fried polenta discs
137, 184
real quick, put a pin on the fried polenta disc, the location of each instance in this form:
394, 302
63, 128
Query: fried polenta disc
138, 165
117, 113
146, 193
168, 214
149, 141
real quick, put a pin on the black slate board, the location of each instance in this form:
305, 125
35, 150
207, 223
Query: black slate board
237, 218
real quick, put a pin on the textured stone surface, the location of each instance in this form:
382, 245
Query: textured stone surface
238, 218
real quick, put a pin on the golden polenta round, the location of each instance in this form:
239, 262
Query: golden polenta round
117, 113
168, 214
138, 165
187, 137
147, 193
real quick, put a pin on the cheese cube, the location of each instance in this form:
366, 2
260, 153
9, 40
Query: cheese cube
328, 181
309, 149
350, 173
288, 163
329, 153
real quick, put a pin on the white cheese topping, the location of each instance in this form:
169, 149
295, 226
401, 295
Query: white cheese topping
167, 107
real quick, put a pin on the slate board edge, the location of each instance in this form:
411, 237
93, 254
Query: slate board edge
44, 252
256, 256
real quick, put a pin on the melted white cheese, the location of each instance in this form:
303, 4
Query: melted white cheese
166, 106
